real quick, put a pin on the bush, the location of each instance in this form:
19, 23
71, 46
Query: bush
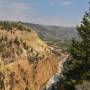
27, 88
6, 25
16, 41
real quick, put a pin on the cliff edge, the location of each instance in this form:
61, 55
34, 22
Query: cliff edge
26, 63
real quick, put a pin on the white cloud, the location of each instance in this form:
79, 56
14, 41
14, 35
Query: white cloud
21, 6
65, 3
15, 5
13, 10
61, 2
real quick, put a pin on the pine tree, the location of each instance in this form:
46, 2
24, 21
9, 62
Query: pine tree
16, 41
77, 68
5, 38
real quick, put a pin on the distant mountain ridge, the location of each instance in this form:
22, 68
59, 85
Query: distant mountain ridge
56, 34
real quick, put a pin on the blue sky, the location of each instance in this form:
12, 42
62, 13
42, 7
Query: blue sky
48, 12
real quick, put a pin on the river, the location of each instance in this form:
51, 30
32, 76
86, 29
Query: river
58, 75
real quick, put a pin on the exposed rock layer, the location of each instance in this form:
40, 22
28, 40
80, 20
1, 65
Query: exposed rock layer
26, 63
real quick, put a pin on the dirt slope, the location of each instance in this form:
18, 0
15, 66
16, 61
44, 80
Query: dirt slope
26, 63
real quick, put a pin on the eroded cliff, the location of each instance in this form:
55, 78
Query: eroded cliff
26, 63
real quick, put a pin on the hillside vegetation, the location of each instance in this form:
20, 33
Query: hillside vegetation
26, 62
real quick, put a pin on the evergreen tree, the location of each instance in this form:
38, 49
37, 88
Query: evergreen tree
5, 38
77, 69
27, 88
16, 41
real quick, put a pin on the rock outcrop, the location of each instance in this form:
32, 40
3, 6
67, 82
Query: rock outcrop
26, 63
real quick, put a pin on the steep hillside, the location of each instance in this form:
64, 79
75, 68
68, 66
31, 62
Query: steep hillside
26, 62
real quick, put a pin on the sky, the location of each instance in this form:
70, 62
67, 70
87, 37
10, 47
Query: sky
46, 12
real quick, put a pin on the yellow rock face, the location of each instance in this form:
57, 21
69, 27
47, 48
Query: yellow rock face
21, 73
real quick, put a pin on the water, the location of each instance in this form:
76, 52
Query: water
56, 79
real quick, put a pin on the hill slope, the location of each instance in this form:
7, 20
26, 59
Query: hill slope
26, 62
57, 35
